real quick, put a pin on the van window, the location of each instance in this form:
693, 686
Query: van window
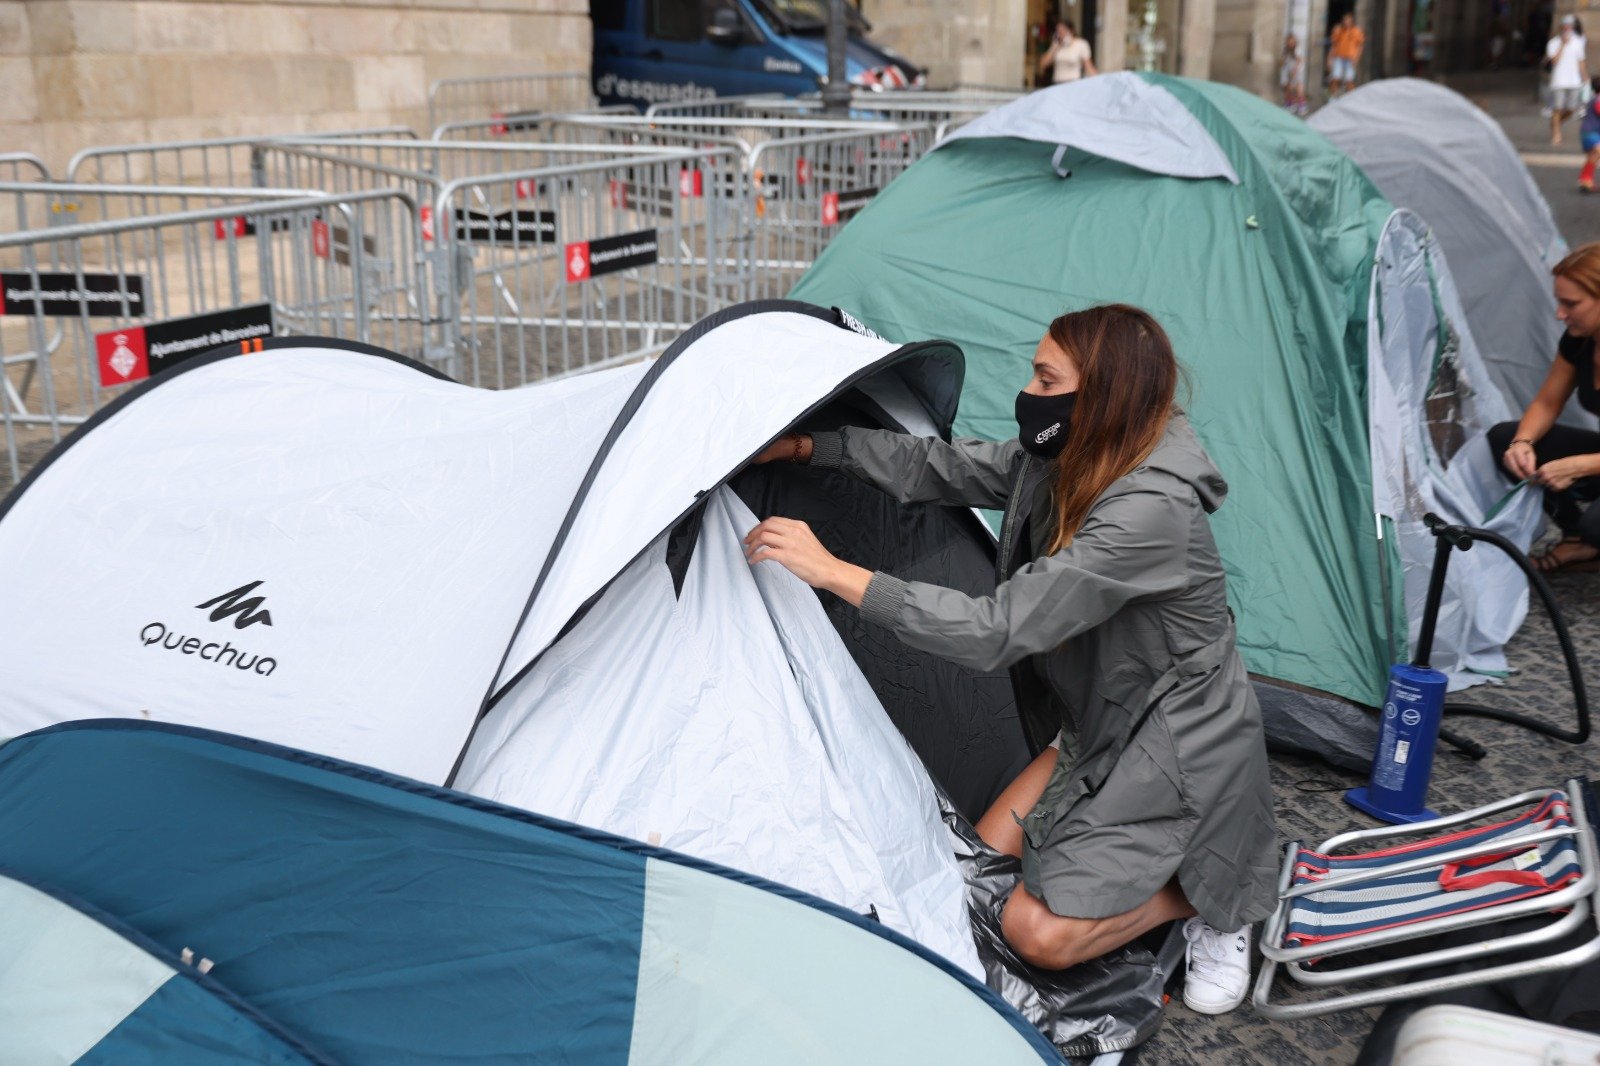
675, 20
608, 14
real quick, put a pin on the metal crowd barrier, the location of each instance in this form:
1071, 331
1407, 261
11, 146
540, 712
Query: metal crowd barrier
749, 129
214, 162
576, 240
714, 107
18, 167
87, 308
522, 125
801, 181
575, 267
500, 223
43, 205
804, 190
908, 105
22, 166
450, 99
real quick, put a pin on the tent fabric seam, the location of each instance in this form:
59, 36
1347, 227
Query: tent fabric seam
489, 808
629, 408
165, 955
900, 354
497, 688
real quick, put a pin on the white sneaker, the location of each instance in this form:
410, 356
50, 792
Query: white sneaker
1218, 967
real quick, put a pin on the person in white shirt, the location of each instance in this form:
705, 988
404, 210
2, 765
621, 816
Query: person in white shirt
1565, 59
1068, 55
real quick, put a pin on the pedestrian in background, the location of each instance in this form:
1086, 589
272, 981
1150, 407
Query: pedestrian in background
1565, 60
1069, 55
1348, 40
1589, 134
1292, 76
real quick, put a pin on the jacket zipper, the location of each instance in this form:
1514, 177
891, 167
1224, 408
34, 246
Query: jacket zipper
1006, 526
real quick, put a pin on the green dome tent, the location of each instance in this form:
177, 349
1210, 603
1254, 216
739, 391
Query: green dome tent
1254, 241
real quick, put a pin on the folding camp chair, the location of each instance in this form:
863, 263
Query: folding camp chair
1537, 856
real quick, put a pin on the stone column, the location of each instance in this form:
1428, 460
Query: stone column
1111, 50
1316, 54
1195, 34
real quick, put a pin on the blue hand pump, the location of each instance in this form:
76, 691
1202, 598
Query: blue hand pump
1413, 707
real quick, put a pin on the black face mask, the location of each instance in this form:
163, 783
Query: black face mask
1044, 421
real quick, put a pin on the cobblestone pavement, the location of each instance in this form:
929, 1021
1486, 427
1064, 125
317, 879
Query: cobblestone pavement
1309, 803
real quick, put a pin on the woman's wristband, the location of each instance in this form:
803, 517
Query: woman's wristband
1524, 440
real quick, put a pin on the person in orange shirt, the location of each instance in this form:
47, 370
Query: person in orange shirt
1347, 41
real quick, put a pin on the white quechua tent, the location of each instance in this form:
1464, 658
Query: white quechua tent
538, 597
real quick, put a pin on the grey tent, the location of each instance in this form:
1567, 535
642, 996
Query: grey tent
1432, 150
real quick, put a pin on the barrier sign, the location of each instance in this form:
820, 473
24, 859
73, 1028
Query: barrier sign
240, 226
607, 255
838, 206
67, 294
333, 242
140, 352
506, 227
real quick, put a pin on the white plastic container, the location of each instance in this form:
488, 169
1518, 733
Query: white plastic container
1457, 1036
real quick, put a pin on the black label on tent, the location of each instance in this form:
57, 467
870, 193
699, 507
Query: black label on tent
51, 294
139, 352
522, 226
607, 255
855, 325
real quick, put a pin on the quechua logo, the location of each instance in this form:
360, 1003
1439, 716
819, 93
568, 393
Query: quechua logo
238, 605
249, 611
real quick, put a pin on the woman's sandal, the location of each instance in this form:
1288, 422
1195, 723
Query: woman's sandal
1554, 560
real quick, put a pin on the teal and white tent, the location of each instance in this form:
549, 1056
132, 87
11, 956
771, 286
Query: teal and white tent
1334, 379
175, 895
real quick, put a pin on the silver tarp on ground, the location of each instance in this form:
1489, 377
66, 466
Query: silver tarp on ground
1433, 151
1109, 1004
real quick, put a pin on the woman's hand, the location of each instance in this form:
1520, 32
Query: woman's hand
795, 448
1559, 474
792, 544
1520, 459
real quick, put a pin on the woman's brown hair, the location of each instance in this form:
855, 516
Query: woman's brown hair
1127, 381
1582, 268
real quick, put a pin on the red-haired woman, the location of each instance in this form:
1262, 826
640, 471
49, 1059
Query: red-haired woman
1157, 804
1564, 460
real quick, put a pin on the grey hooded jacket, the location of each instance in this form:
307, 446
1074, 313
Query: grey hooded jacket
1164, 767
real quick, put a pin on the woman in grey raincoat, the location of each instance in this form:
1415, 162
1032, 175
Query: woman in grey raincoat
1156, 804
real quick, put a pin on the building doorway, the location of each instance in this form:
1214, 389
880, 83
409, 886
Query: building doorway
1042, 18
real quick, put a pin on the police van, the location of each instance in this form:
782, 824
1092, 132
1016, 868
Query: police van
654, 51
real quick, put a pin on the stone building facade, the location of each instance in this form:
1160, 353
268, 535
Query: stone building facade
75, 73
1235, 41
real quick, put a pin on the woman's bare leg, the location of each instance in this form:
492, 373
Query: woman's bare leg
998, 827
1051, 942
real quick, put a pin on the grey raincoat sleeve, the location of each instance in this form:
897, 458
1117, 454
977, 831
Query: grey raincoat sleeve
962, 473
1134, 546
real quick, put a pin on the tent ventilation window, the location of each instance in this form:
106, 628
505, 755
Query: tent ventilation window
1449, 402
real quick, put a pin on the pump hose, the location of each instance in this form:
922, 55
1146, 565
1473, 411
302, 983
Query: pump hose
1580, 699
